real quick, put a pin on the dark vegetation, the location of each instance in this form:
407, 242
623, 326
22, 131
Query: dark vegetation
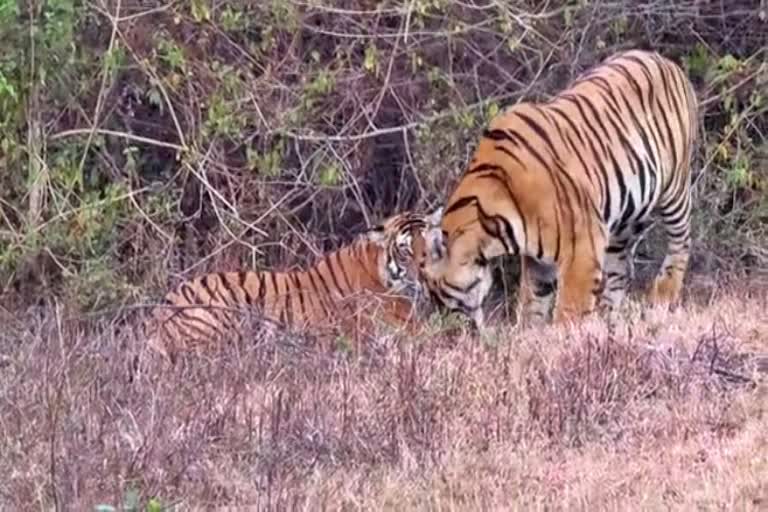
145, 142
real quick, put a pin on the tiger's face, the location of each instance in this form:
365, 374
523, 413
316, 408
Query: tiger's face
456, 274
405, 252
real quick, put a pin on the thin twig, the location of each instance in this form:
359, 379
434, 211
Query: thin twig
114, 133
102, 87
726, 92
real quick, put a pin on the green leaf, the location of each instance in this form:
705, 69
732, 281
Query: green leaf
231, 20
155, 98
330, 175
154, 506
739, 175
492, 110
268, 164
7, 88
114, 59
728, 63
323, 83
371, 61
200, 11
172, 54
698, 61
728, 100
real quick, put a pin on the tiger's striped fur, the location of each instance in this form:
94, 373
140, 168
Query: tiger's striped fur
376, 277
570, 185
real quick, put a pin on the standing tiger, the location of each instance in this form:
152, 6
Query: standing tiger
376, 277
570, 185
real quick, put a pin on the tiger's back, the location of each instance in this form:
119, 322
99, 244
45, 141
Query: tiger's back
373, 279
570, 185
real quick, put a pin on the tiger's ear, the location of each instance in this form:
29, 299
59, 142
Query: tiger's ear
375, 234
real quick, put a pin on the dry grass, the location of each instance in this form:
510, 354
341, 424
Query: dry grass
666, 411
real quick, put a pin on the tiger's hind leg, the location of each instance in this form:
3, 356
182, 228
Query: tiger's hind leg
619, 267
538, 284
675, 217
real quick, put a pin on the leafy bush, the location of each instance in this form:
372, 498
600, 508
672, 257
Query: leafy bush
144, 142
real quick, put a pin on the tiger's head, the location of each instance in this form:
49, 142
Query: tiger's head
404, 251
456, 272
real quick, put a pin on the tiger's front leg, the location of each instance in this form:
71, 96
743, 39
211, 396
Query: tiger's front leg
538, 284
581, 279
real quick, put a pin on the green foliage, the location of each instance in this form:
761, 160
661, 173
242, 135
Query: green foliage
736, 183
76, 215
252, 88
571, 8
154, 505
268, 163
492, 110
171, 54
279, 18
200, 10
114, 60
371, 60
427, 7
35, 55
739, 174
619, 27
330, 175
732, 146
697, 63
315, 92
284, 15
232, 20
131, 503
321, 85
464, 118
225, 119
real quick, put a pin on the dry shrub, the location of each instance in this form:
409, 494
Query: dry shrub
216, 136
663, 411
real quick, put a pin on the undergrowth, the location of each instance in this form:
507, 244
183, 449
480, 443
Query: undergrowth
666, 411
145, 143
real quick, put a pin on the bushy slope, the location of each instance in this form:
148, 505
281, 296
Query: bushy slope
204, 135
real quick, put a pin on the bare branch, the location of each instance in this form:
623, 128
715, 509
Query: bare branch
114, 133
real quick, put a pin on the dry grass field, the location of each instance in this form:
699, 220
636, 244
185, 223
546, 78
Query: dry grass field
666, 411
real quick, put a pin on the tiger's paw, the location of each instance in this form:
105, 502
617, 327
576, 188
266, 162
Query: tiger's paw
665, 290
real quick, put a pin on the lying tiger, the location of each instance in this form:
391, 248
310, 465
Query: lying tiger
374, 278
